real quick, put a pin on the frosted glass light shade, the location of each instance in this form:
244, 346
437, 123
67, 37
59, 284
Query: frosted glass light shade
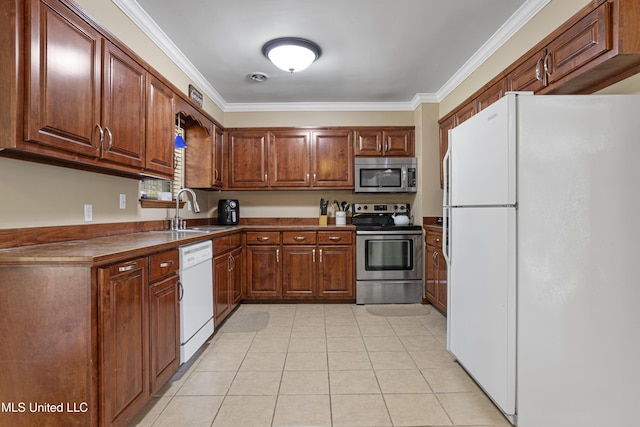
291, 54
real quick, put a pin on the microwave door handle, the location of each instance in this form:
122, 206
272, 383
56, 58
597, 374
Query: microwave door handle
405, 180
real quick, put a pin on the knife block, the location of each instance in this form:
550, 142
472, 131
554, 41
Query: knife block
322, 220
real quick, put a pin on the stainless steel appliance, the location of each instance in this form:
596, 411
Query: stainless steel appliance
389, 257
385, 174
196, 303
228, 212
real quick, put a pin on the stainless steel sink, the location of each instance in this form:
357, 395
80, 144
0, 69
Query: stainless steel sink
209, 228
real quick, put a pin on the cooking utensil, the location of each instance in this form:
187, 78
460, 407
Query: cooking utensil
344, 206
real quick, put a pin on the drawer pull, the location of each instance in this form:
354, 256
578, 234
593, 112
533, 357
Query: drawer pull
299, 238
436, 240
335, 238
128, 268
166, 264
262, 239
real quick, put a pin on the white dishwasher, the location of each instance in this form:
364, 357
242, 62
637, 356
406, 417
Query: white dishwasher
196, 304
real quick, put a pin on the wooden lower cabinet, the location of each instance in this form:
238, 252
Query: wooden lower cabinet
164, 317
124, 326
227, 275
308, 265
436, 270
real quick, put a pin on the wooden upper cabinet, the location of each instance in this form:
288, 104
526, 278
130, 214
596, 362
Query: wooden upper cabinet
529, 75
218, 158
465, 113
368, 143
332, 159
289, 158
123, 108
160, 128
491, 95
247, 159
64, 75
200, 152
583, 42
384, 142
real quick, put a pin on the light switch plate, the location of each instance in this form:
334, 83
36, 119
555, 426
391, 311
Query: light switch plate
88, 213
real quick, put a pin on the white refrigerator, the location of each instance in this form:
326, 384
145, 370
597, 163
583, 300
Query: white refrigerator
542, 240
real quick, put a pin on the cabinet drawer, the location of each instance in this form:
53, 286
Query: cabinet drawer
299, 237
225, 244
163, 264
263, 237
434, 238
335, 237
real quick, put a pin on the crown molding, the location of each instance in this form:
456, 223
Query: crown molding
527, 11
139, 16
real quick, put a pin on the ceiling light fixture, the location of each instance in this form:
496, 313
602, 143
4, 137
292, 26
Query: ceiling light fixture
291, 53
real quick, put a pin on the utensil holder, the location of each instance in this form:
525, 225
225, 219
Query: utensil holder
341, 218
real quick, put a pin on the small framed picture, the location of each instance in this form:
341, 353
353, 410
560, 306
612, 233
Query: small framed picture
195, 95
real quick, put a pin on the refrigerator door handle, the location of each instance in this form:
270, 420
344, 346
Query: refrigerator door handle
446, 201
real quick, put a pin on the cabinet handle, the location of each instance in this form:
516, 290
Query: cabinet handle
436, 240
128, 267
215, 174
315, 178
277, 255
181, 292
386, 146
538, 65
101, 140
434, 257
265, 178
307, 180
262, 238
379, 147
299, 238
335, 238
546, 64
313, 252
166, 264
320, 255
230, 268
110, 140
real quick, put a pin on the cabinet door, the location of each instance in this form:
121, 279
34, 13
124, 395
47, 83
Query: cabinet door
587, 39
431, 274
491, 95
332, 159
398, 143
465, 113
221, 290
218, 158
124, 333
160, 128
289, 152
298, 271
529, 75
441, 281
237, 269
199, 155
247, 159
123, 108
164, 315
264, 272
368, 143
335, 272
62, 100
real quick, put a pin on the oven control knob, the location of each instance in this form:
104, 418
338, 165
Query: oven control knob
395, 207
365, 207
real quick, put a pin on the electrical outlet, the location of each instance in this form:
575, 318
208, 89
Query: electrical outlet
123, 201
88, 213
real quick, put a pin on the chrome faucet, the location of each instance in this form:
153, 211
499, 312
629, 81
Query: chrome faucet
178, 223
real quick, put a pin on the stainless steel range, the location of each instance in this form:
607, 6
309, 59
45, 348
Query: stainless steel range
389, 257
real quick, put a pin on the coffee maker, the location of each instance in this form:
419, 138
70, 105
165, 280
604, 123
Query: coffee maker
228, 212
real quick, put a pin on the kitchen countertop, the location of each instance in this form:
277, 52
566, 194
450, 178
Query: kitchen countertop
107, 250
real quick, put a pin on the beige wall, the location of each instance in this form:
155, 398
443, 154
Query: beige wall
38, 195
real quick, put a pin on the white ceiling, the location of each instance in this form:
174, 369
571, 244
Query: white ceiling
376, 54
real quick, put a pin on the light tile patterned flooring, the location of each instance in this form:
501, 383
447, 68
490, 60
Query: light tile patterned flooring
325, 365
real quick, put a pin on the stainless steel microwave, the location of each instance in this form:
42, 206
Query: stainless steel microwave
385, 174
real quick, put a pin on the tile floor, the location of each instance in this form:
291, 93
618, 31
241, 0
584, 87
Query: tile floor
324, 365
